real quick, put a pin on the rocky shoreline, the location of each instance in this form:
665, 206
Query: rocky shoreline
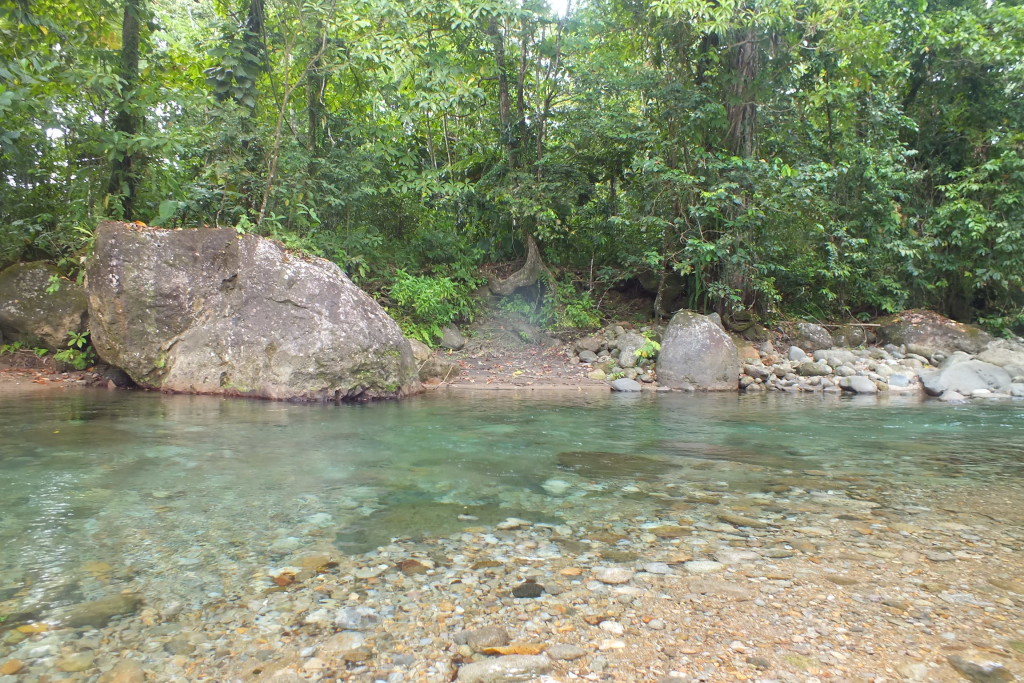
808, 362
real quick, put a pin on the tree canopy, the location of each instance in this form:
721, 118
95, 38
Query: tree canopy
827, 158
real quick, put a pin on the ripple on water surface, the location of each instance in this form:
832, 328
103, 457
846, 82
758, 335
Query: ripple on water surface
192, 498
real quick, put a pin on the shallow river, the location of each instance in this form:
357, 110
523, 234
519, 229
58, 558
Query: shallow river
193, 498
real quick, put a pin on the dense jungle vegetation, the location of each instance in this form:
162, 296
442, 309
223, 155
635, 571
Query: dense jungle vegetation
815, 158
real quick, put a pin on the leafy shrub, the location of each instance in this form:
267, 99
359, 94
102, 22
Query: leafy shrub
576, 310
79, 353
423, 304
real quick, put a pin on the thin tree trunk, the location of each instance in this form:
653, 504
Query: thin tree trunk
316, 84
504, 98
123, 183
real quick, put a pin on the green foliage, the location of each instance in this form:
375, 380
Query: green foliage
576, 311
424, 304
650, 348
79, 353
836, 158
17, 346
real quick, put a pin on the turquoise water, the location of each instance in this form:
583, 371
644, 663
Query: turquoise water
194, 497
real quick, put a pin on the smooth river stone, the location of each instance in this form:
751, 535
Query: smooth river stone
740, 520
980, 672
507, 668
80, 661
613, 575
98, 613
703, 566
565, 652
736, 556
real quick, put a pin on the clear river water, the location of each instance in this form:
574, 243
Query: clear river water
192, 498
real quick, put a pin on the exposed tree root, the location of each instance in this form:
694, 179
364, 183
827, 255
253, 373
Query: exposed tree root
532, 271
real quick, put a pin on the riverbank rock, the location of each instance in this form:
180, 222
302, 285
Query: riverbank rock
32, 315
1007, 354
452, 338
850, 336
696, 353
965, 377
430, 366
619, 351
812, 337
929, 330
210, 311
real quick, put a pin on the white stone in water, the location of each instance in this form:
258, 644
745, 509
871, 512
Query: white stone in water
556, 487
613, 627
657, 568
512, 523
736, 556
507, 668
285, 544
338, 644
371, 572
320, 519
314, 664
320, 617
613, 575
703, 566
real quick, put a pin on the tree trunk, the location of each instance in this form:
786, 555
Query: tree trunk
124, 181
741, 141
504, 98
529, 274
745, 62
316, 86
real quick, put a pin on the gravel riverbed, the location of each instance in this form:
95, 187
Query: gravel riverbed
804, 578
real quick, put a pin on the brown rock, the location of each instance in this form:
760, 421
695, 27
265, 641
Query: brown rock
98, 613
740, 520
11, 667
125, 671
80, 661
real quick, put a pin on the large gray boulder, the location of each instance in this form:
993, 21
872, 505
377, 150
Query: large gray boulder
812, 337
965, 376
850, 336
210, 311
697, 354
931, 331
32, 315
